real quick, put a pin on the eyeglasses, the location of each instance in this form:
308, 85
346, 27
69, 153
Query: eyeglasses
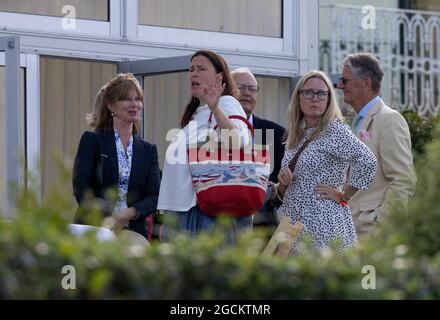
309, 94
345, 80
253, 89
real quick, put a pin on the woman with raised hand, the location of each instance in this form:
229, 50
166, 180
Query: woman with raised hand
213, 96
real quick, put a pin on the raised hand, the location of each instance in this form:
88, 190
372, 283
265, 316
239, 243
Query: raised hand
212, 94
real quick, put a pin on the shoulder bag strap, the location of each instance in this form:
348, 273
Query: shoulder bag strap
250, 127
294, 160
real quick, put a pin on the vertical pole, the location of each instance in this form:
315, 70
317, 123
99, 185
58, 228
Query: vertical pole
11, 46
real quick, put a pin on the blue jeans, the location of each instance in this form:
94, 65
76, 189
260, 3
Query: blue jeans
195, 221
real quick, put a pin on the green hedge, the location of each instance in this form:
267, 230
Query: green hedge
421, 129
404, 252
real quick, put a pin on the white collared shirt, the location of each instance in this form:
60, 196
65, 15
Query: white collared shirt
363, 113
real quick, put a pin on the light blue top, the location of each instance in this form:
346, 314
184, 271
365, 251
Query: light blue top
363, 113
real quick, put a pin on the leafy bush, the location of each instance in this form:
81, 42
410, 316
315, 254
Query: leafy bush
422, 223
422, 129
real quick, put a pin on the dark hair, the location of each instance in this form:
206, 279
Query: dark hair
220, 66
119, 88
366, 65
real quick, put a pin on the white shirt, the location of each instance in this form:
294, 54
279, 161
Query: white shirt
251, 119
176, 189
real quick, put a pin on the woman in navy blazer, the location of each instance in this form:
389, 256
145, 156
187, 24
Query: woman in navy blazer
115, 170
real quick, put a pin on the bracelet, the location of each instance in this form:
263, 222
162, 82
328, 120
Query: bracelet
344, 197
277, 193
342, 201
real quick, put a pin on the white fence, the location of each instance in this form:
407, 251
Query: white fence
407, 42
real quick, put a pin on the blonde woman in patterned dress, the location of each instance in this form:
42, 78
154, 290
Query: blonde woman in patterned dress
313, 186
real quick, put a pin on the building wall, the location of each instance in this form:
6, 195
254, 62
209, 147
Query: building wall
96, 9
428, 5
256, 17
67, 91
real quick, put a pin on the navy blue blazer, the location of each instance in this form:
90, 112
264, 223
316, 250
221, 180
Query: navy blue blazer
96, 170
265, 217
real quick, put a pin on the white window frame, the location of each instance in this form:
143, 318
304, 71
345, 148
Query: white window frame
217, 40
47, 24
30, 62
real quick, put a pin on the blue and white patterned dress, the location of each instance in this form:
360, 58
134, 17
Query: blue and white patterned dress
124, 165
326, 160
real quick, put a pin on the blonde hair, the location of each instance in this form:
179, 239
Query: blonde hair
295, 116
119, 88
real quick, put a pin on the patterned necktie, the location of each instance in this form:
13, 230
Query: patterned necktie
356, 122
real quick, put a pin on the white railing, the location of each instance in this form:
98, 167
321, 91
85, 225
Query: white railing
407, 42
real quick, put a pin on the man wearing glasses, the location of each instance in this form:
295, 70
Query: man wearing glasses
386, 133
269, 132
